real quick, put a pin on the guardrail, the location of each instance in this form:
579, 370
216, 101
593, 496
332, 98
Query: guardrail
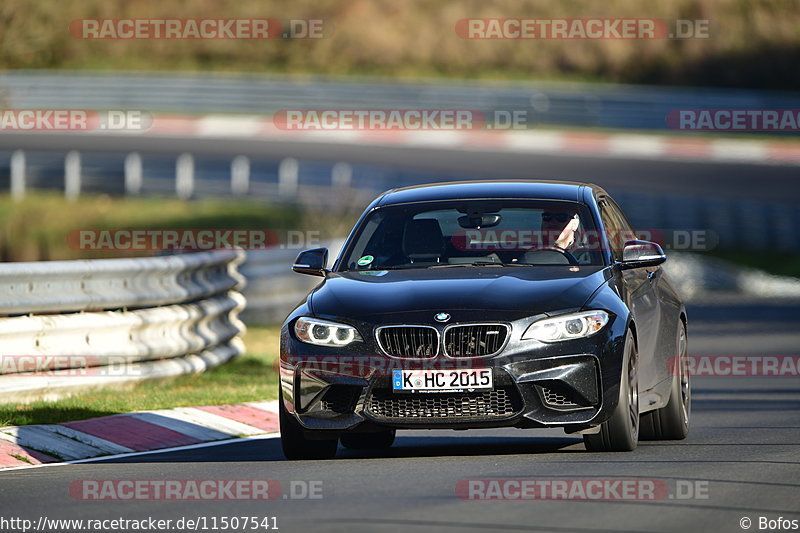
97, 284
272, 288
565, 104
100, 322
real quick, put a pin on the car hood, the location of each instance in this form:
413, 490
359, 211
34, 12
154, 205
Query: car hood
525, 290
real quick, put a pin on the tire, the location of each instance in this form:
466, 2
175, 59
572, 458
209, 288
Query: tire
295, 442
368, 441
671, 422
620, 433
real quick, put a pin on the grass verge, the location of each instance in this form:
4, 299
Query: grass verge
249, 378
38, 228
778, 263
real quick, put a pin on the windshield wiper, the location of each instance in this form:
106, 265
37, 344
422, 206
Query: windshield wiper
440, 265
480, 264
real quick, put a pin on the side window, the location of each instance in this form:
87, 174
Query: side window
628, 233
617, 212
613, 228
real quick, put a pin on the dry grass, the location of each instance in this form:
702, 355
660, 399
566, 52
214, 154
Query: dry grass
753, 43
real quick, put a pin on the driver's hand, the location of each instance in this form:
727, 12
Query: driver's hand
567, 236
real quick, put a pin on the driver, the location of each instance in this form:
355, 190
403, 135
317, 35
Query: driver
559, 229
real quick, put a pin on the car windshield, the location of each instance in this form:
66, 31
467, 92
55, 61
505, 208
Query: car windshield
474, 233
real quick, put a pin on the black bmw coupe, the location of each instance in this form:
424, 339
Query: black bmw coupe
485, 304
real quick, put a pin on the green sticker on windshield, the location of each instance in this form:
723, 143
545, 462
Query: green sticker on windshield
364, 261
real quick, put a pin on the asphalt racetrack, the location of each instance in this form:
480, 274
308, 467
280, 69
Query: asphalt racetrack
741, 460
740, 464
714, 179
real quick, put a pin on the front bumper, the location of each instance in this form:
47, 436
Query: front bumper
573, 384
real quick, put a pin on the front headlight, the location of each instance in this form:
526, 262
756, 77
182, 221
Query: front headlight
567, 327
324, 333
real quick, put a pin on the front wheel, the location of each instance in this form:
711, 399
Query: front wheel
295, 442
620, 433
671, 422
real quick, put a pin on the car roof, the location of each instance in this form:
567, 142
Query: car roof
479, 189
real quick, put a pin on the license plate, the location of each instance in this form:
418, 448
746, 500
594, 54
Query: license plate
441, 380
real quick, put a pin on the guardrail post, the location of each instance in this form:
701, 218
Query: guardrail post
18, 175
184, 176
133, 173
240, 175
287, 178
72, 175
341, 175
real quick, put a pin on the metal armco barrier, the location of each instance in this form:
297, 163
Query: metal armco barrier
148, 317
564, 104
88, 285
272, 288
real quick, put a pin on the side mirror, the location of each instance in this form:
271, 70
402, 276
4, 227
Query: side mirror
311, 262
638, 254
